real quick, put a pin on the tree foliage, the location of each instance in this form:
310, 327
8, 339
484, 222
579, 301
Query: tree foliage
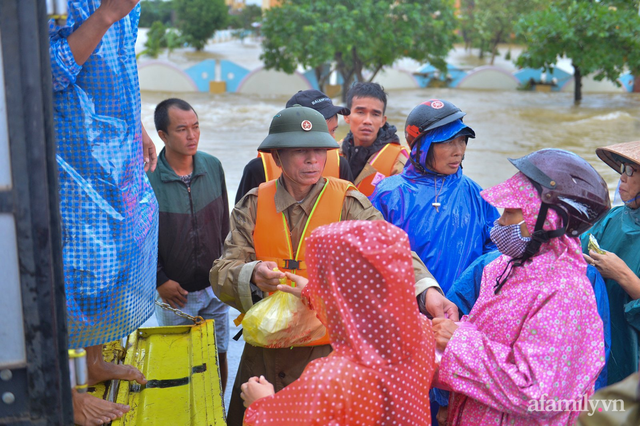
246, 17
356, 36
155, 10
198, 20
598, 37
485, 23
160, 37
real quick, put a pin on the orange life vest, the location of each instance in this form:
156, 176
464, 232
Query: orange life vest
383, 162
271, 237
272, 171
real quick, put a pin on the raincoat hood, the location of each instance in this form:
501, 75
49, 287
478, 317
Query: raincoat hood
440, 134
518, 192
361, 286
540, 336
365, 297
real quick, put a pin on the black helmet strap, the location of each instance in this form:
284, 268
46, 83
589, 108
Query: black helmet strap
539, 237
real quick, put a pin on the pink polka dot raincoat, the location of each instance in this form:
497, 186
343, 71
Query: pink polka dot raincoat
361, 286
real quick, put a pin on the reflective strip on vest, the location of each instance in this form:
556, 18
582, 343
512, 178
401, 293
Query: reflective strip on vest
273, 172
271, 237
383, 162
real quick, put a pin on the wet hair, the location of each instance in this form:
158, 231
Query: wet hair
161, 114
367, 90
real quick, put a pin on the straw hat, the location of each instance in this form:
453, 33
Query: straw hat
615, 155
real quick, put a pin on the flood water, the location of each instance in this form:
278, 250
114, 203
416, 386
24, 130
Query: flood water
508, 124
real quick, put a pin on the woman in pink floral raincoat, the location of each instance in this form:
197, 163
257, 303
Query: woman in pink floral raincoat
531, 348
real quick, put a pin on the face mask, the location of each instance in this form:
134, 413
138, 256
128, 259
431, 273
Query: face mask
509, 239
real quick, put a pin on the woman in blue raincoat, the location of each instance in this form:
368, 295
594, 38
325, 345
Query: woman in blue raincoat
441, 210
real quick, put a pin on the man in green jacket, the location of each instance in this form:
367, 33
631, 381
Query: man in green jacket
194, 221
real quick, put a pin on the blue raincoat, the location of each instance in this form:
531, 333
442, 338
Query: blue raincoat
449, 239
108, 209
466, 289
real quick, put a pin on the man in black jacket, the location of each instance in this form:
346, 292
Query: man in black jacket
194, 221
366, 146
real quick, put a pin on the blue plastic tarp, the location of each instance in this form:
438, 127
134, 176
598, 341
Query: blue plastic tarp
108, 208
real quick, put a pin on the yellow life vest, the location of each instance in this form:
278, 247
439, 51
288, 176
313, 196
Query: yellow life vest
271, 237
272, 171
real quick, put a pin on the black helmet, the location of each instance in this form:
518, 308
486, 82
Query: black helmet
571, 187
568, 184
429, 115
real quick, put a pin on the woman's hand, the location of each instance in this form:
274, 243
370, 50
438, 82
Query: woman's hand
612, 267
254, 389
300, 282
443, 330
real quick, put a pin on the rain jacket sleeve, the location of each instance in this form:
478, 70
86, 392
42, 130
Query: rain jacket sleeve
508, 378
63, 65
602, 300
465, 290
331, 403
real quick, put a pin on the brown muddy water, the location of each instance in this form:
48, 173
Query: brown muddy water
507, 124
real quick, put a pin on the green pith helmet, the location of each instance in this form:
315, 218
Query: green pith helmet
298, 127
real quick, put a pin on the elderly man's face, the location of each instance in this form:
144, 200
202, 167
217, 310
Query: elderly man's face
302, 166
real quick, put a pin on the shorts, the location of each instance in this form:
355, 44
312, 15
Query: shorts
200, 303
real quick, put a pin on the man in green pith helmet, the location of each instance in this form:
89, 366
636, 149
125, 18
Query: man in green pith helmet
268, 229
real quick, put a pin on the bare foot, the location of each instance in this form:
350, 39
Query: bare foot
90, 411
100, 370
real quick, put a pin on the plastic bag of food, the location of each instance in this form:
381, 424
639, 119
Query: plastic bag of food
593, 245
281, 321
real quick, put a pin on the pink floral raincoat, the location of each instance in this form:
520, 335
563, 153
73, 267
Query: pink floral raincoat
539, 340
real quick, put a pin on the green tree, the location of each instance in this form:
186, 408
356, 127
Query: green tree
356, 36
155, 10
596, 36
198, 20
160, 37
155, 39
485, 23
246, 17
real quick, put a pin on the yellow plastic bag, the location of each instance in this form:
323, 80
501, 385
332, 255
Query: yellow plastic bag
281, 321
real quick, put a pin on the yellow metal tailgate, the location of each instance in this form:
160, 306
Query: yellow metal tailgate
181, 366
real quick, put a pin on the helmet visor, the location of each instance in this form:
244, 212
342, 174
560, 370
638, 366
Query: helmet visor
441, 134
